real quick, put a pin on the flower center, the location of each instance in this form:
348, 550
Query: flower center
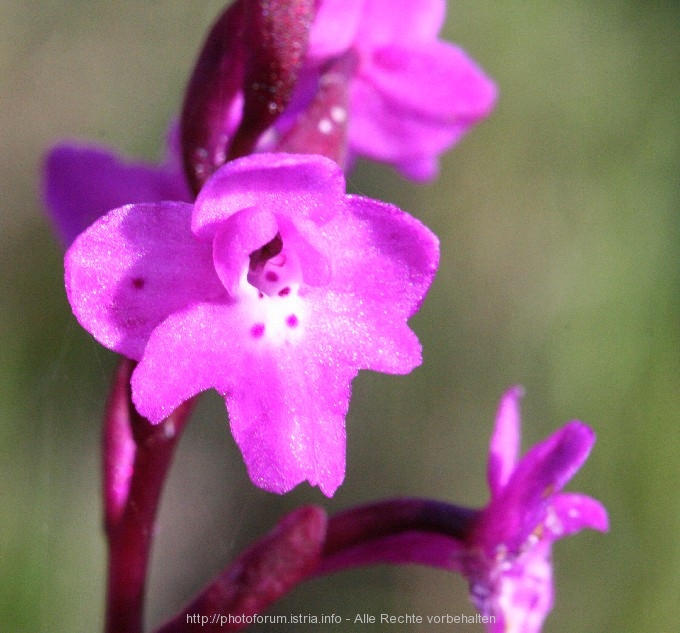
274, 269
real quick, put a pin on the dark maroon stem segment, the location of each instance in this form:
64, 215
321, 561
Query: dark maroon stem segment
398, 532
276, 36
215, 82
306, 544
137, 456
256, 49
363, 524
259, 577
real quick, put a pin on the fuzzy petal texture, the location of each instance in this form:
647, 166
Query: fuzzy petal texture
504, 447
80, 184
285, 288
305, 188
539, 476
389, 21
133, 268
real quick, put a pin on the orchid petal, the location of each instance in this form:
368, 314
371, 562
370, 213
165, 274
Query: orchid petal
242, 233
393, 116
309, 185
406, 21
133, 268
505, 441
541, 473
525, 595
335, 27
573, 512
286, 401
437, 81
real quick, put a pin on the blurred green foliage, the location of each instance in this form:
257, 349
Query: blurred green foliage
559, 226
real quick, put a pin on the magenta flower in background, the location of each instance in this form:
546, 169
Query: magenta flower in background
274, 288
80, 184
504, 549
411, 95
376, 82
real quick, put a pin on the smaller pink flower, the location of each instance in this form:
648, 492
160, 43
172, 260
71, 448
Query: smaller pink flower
511, 575
274, 288
504, 549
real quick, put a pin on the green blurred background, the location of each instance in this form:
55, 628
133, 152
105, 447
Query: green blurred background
560, 270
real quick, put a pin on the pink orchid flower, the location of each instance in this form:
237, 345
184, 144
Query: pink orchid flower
274, 288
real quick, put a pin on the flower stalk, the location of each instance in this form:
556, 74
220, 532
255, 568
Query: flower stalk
137, 457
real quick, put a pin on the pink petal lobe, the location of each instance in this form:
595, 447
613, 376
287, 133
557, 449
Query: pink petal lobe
286, 396
550, 464
574, 512
306, 185
134, 267
334, 27
437, 81
419, 168
387, 255
540, 475
394, 116
389, 21
505, 441
241, 234
181, 359
292, 427
388, 262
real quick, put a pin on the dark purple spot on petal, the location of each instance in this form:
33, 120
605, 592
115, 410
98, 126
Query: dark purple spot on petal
257, 330
292, 321
138, 283
284, 291
260, 294
270, 275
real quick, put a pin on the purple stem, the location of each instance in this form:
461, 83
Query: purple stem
254, 49
215, 82
397, 532
305, 545
394, 516
137, 456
